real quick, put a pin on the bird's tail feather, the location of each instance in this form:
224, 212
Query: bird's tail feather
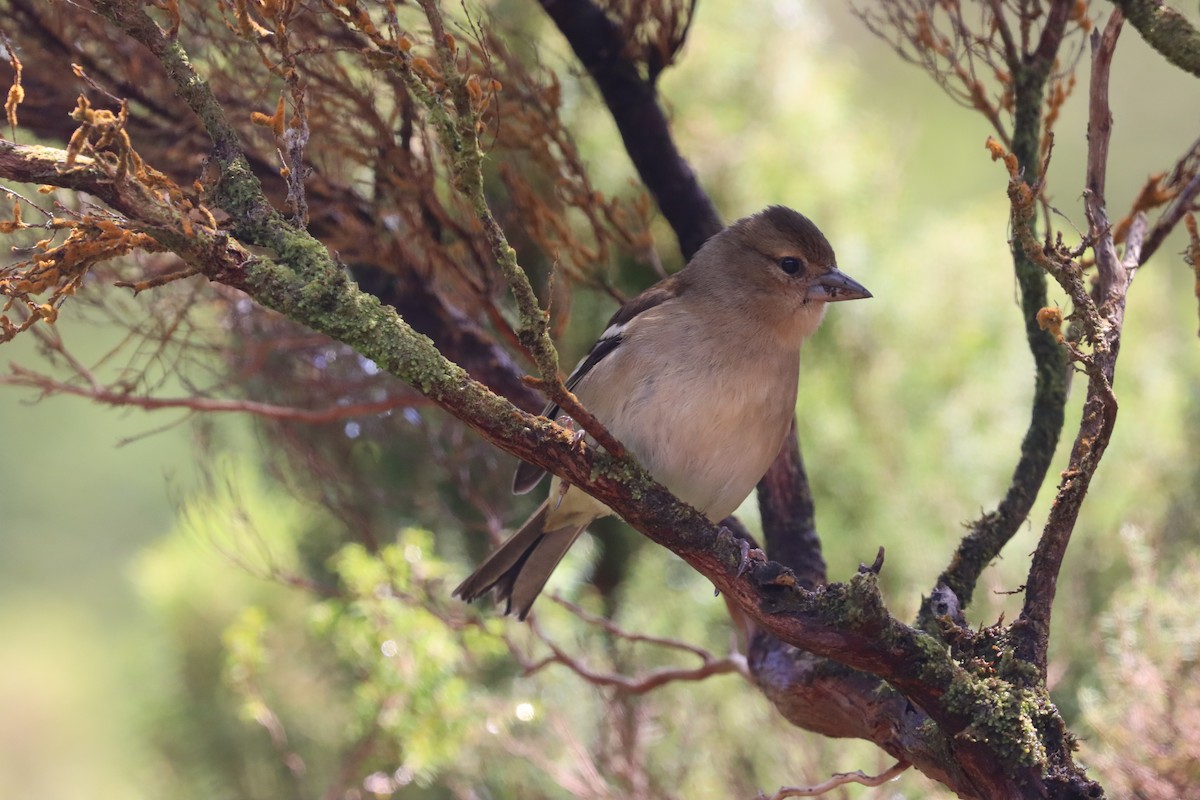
522, 565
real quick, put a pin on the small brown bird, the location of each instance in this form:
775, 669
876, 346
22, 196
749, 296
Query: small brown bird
697, 376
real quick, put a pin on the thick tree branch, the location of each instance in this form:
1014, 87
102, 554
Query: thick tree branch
823, 696
1166, 30
785, 505
633, 102
454, 332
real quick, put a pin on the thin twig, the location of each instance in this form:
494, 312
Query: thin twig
158, 280
1098, 136
839, 779
1184, 203
734, 662
116, 397
6, 190
621, 633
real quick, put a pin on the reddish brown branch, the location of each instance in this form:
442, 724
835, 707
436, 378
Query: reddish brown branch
1183, 204
786, 507
109, 396
628, 636
627, 684
839, 779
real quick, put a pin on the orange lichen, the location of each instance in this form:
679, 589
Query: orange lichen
273, 121
1079, 16
16, 92
102, 130
422, 65
60, 270
1056, 97
1051, 319
15, 224
999, 153
171, 7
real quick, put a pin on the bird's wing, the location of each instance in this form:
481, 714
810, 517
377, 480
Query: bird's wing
528, 475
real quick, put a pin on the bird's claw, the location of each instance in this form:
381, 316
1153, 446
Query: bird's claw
744, 563
562, 492
748, 554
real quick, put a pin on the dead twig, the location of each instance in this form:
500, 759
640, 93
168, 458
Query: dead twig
839, 779
735, 662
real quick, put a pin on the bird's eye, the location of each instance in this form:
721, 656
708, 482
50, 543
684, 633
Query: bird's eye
789, 265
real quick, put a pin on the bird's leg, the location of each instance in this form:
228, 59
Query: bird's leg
744, 563
745, 548
577, 434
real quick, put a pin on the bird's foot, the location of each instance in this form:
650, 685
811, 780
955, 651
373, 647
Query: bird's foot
577, 433
748, 553
744, 564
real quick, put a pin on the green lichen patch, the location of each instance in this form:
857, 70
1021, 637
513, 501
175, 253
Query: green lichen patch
1006, 718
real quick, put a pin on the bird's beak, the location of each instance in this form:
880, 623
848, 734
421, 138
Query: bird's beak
836, 285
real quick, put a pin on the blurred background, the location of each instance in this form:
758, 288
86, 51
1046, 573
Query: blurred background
149, 648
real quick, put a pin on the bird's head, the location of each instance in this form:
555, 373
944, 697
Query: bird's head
778, 267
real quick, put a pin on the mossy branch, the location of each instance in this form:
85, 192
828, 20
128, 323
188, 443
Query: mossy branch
990, 533
1166, 30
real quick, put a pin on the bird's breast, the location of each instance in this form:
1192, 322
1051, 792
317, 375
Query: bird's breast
707, 429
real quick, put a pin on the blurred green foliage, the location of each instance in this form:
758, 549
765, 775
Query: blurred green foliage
1143, 699
250, 653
